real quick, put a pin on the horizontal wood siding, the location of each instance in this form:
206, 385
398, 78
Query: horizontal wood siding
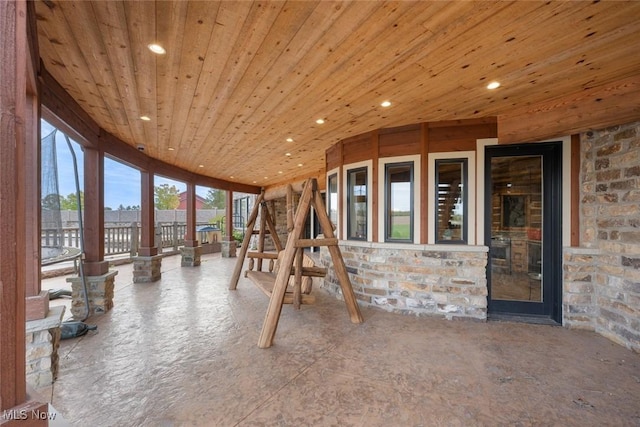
357, 149
402, 143
459, 137
332, 156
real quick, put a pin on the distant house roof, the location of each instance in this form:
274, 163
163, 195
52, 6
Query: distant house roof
200, 201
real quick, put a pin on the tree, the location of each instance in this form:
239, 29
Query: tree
70, 203
51, 202
215, 199
166, 197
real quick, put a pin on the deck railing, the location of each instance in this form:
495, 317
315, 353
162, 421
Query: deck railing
119, 239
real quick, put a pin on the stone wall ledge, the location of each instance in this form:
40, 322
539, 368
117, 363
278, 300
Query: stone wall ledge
413, 247
581, 250
53, 320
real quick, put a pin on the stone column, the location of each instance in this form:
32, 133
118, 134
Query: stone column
99, 292
42, 342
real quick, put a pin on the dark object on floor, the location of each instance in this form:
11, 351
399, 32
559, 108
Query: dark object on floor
74, 329
59, 294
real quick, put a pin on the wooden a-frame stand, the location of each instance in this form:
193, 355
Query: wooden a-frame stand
310, 198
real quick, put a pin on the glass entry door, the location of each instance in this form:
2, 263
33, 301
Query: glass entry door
523, 229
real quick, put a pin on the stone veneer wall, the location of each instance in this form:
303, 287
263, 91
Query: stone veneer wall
42, 341
278, 210
608, 293
424, 280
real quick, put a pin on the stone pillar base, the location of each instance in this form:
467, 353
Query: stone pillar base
190, 256
42, 342
229, 249
146, 269
100, 293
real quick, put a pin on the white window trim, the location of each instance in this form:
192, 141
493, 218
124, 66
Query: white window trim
382, 185
471, 193
335, 171
481, 144
345, 170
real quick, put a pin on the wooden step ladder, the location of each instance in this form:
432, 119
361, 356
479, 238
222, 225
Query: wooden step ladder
291, 259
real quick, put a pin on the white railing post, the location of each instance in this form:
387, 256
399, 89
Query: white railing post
175, 235
134, 239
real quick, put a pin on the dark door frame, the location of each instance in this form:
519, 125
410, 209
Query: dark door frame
551, 307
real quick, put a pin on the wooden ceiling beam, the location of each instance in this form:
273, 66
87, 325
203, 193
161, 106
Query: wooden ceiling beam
594, 108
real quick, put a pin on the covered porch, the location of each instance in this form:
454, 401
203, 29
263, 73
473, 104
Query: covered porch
182, 351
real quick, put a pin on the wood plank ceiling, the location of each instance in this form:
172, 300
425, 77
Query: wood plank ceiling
239, 78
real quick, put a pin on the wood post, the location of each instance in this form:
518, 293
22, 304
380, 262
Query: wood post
147, 216
289, 208
338, 262
13, 38
190, 239
293, 254
94, 263
282, 278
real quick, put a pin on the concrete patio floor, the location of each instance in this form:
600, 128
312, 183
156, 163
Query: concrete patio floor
183, 352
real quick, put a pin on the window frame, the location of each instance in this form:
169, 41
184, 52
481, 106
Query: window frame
472, 182
388, 199
465, 200
336, 175
348, 173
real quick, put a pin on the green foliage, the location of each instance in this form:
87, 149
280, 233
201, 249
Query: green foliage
70, 203
238, 235
218, 220
166, 197
215, 199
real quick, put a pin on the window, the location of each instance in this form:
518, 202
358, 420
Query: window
399, 202
357, 203
332, 200
451, 201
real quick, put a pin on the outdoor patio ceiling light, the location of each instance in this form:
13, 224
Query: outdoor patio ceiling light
493, 85
288, 154
156, 48
145, 118
289, 139
320, 121
385, 104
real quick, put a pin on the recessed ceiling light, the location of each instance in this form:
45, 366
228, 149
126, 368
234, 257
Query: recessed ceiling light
289, 139
320, 121
171, 148
200, 166
287, 154
279, 171
231, 177
266, 177
156, 48
299, 164
145, 118
385, 104
254, 182
493, 85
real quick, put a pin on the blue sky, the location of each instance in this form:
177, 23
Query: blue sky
122, 183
